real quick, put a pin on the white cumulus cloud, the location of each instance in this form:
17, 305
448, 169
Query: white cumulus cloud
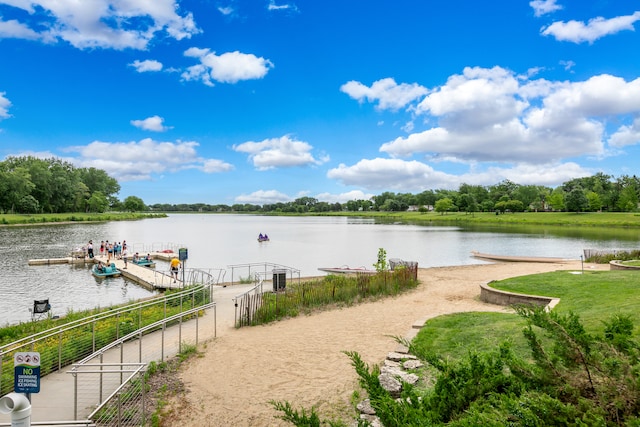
386, 92
5, 104
262, 197
279, 152
141, 160
596, 28
543, 7
153, 123
490, 115
146, 65
109, 24
230, 67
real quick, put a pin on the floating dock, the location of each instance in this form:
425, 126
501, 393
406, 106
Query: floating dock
144, 276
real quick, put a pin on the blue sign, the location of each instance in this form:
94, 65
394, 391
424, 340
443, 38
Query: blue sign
182, 254
26, 372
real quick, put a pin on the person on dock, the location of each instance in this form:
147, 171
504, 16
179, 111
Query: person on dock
102, 248
90, 249
175, 266
124, 256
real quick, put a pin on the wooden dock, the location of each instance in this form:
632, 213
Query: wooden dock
146, 277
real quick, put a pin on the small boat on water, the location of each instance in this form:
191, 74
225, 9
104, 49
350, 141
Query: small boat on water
345, 269
262, 238
143, 262
105, 270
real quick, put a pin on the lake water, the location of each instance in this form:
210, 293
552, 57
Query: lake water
218, 241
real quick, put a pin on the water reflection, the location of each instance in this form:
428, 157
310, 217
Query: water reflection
305, 243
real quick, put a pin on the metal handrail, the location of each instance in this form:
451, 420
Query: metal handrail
100, 316
136, 333
139, 368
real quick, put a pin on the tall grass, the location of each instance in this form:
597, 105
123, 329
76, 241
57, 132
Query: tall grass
333, 290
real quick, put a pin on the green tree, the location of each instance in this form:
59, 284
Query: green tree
595, 203
134, 204
556, 199
28, 205
576, 200
514, 206
444, 205
97, 202
15, 186
628, 200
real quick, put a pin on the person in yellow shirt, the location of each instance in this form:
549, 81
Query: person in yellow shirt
175, 266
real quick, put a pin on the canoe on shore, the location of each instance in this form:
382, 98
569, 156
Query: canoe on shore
516, 258
346, 270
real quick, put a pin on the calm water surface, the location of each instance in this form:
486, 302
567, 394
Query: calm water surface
217, 241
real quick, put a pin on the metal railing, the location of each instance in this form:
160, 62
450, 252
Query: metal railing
248, 302
144, 248
77, 423
189, 277
262, 268
66, 343
125, 406
95, 386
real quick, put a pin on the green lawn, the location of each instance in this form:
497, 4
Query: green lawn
594, 296
597, 219
14, 219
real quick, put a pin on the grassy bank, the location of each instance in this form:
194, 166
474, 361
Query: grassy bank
32, 219
594, 296
589, 219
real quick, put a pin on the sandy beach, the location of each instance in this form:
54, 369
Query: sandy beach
301, 360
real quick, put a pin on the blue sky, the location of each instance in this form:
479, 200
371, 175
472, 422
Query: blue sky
262, 101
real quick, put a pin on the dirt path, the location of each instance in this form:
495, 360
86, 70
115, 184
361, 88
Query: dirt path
301, 360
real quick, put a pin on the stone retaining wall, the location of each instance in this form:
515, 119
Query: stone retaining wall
618, 265
495, 296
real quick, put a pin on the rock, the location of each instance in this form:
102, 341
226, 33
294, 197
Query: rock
390, 383
373, 420
412, 364
399, 373
399, 357
391, 364
365, 407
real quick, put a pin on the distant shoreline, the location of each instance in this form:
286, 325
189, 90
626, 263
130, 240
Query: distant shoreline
73, 218
485, 219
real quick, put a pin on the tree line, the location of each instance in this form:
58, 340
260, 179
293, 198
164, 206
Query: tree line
32, 185
599, 192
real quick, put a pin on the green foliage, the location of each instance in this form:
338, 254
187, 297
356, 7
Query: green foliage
571, 378
444, 205
331, 290
30, 185
301, 419
381, 263
134, 204
606, 258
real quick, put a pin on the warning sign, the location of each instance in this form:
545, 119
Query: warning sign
27, 372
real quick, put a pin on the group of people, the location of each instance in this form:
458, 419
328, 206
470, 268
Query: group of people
115, 250
263, 236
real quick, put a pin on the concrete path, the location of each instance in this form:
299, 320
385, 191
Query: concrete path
55, 401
